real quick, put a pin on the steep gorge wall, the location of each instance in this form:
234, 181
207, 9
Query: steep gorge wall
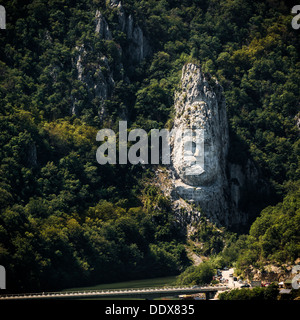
198, 106
219, 189
99, 76
222, 187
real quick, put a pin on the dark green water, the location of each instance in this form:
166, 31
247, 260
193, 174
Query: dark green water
144, 283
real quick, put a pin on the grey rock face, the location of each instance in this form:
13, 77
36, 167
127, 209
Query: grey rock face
92, 76
199, 106
98, 76
138, 45
102, 27
219, 187
115, 3
297, 118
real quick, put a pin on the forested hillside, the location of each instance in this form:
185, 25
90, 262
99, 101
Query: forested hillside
65, 220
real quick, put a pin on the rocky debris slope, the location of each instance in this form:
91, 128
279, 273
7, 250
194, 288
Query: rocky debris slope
271, 273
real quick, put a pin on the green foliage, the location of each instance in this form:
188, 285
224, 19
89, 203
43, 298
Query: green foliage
197, 275
65, 220
107, 243
276, 231
211, 238
273, 237
269, 293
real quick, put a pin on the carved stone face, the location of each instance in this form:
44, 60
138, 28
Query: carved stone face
198, 159
2, 18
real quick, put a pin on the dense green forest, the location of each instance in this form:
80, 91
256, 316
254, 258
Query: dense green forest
66, 221
273, 238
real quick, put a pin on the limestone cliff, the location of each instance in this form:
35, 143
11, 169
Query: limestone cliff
97, 74
199, 106
219, 187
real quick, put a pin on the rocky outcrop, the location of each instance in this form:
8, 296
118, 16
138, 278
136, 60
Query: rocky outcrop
199, 105
97, 75
218, 187
102, 27
138, 46
297, 119
270, 272
247, 190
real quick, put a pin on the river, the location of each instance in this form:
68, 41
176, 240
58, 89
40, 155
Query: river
143, 283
